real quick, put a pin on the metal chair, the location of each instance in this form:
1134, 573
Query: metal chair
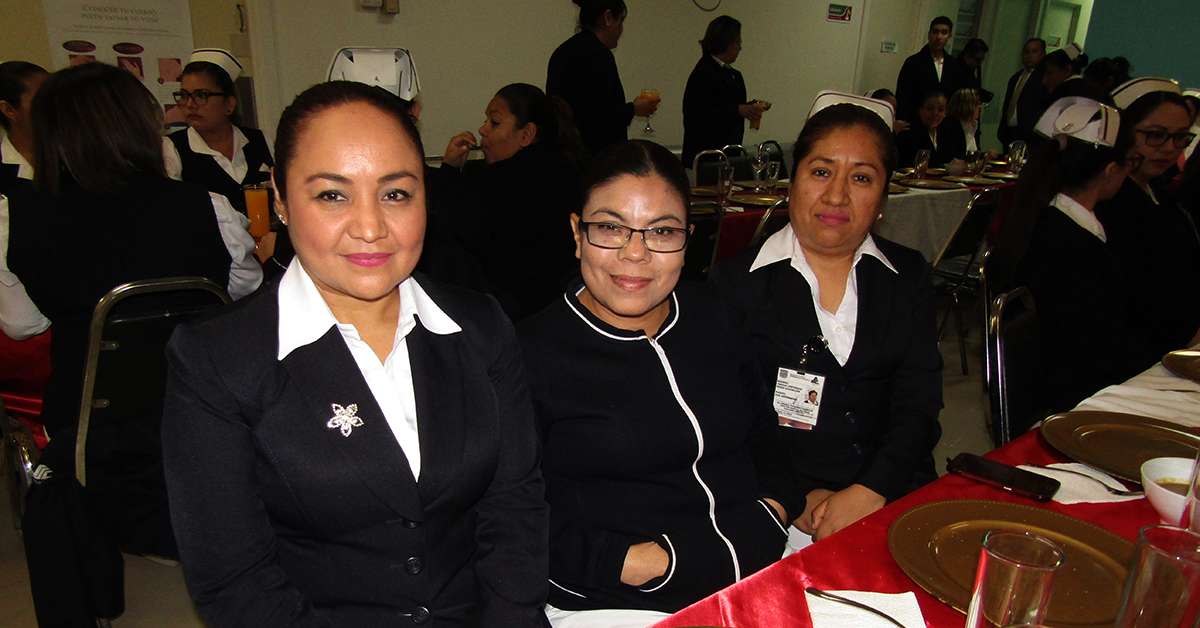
956, 268
1017, 393
774, 219
18, 468
701, 252
709, 169
775, 150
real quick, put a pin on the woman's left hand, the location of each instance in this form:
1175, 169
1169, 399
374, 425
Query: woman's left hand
844, 508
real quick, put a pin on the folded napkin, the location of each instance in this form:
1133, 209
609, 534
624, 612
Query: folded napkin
830, 614
1077, 490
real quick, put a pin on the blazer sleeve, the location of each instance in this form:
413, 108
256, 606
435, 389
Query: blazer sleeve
511, 564
226, 541
704, 103
912, 427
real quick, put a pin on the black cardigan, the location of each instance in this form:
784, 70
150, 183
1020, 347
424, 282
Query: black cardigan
878, 421
637, 434
583, 72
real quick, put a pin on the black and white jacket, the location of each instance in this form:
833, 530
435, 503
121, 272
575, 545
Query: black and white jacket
669, 439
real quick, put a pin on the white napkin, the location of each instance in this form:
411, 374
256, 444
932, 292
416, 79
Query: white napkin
1077, 490
830, 614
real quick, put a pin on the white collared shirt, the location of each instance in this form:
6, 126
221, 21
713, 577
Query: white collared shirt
236, 168
9, 155
938, 64
839, 327
304, 318
1082, 216
969, 127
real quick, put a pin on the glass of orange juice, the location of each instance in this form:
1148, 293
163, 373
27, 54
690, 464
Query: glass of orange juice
258, 208
649, 93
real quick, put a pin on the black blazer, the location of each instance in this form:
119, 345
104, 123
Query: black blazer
283, 521
1030, 105
952, 144
583, 72
918, 77
203, 169
878, 421
710, 108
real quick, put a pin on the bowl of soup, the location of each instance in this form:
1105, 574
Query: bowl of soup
1166, 482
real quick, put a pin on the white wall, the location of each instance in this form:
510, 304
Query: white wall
465, 50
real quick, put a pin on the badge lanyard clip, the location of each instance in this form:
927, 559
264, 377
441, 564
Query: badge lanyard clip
814, 346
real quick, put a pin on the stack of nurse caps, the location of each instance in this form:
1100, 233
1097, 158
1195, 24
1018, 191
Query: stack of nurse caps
1128, 92
1081, 118
220, 58
389, 68
830, 98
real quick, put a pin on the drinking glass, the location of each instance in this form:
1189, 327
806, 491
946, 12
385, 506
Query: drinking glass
1191, 513
759, 158
724, 184
975, 160
761, 106
1016, 156
258, 208
772, 176
1012, 584
1163, 587
649, 93
921, 165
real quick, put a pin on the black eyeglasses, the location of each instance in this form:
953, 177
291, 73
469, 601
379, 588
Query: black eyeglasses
200, 96
608, 235
1157, 137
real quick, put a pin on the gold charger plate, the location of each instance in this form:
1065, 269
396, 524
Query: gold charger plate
938, 546
759, 200
970, 180
935, 172
930, 184
1117, 443
1184, 363
998, 162
704, 190
1007, 176
896, 189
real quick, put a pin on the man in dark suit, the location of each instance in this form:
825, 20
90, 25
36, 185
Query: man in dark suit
929, 70
1025, 98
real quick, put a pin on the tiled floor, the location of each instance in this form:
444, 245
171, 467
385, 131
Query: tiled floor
155, 596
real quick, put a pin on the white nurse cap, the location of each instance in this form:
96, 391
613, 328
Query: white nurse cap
1073, 51
220, 58
390, 68
1081, 118
829, 98
1128, 92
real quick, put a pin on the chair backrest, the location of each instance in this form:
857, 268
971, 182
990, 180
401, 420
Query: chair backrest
775, 218
706, 217
775, 150
968, 235
1018, 393
126, 370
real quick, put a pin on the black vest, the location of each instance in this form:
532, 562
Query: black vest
203, 169
70, 250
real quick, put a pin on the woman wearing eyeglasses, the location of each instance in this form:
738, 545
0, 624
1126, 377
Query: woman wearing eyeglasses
1152, 236
213, 151
665, 479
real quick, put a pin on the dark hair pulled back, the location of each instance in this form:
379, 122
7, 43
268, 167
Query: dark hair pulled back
639, 158
322, 96
591, 12
845, 116
14, 82
218, 75
552, 116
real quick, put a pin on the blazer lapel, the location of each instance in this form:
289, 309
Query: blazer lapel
876, 290
792, 297
441, 407
326, 374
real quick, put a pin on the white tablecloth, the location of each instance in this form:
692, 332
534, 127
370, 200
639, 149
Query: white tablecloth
923, 219
1156, 393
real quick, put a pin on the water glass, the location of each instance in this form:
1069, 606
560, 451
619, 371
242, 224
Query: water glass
1012, 584
773, 175
921, 164
724, 184
1163, 587
1016, 156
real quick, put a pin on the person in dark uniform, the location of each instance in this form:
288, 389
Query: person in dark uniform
715, 109
583, 72
970, 70
1152, 236
931, 69
19, 81
213, 151
945, 142
826, 298
1053, 244
1062, 76
1025, 97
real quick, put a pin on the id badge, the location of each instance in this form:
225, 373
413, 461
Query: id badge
798, 396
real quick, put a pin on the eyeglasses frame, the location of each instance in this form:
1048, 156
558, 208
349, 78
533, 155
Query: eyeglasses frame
182, 96
583, 227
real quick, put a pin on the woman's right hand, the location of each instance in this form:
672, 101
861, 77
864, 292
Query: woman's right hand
643, 563
645, 107
459, 147
804, 522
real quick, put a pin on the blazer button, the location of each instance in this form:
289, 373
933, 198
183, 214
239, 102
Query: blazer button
841, 388
410, 524
851, 417
420, 615
857, 448
413, 565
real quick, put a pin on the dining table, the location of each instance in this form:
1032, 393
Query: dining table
859, 557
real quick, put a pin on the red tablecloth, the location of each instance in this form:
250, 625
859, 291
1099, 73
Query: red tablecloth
24, 368
857, 558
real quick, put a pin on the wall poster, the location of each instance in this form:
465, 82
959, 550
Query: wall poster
152, 39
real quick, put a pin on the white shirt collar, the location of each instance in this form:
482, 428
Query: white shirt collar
1080, 214
784, 246
304, 317
9, 155
198, 145
720, 62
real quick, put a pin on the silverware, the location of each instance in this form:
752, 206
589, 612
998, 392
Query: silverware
837, 598
1108, 488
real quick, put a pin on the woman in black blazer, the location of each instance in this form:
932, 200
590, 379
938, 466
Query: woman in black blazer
825, 280
715, 109
944, 142
355, 445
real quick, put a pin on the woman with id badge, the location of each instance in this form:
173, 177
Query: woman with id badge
833, 310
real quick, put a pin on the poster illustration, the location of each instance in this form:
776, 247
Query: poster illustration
152, 39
